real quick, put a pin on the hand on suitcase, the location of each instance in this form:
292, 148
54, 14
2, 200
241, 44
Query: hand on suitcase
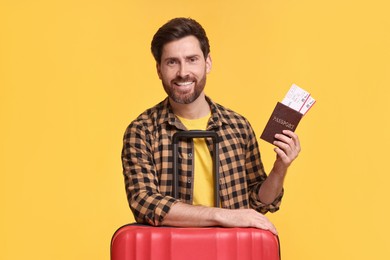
245, 218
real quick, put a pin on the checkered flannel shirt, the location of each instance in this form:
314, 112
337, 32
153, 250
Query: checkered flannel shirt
147, 163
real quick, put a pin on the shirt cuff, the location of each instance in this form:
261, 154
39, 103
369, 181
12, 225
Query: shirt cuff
156, 216
261, 207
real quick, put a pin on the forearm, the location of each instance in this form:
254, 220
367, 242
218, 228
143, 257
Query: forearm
184, 215
272, 186
287, 149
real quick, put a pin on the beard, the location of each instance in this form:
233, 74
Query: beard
184, 96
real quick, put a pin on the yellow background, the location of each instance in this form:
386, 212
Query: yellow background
74, 73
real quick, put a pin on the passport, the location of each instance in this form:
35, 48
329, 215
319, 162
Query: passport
282, 118
288, 113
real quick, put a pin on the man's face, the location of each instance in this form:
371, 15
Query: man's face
183, 69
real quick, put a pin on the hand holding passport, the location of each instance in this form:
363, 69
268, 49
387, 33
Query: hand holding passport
288, 113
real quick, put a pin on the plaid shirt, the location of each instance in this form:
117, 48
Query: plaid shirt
147, 163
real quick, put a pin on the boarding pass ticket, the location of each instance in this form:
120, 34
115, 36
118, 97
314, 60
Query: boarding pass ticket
298, 99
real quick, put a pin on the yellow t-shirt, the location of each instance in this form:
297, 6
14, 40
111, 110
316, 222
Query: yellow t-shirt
203, 192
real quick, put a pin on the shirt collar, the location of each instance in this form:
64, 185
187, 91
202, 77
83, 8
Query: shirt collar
167, 115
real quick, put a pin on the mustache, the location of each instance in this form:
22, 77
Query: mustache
183, 79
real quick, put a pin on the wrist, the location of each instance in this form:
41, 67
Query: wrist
279, 171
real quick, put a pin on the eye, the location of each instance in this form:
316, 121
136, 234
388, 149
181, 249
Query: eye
193, 59
171, 62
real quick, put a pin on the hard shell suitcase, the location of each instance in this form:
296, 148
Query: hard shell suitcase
141, 242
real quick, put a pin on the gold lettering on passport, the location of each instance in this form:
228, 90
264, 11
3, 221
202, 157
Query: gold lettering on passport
283, 122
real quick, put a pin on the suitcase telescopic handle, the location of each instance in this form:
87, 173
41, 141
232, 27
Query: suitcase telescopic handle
190, 135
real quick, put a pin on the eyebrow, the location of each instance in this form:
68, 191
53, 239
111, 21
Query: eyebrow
186, 57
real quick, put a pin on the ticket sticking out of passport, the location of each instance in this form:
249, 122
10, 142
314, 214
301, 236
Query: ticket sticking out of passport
288, 113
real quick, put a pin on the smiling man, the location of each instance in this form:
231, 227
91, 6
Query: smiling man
182, 53
183, 69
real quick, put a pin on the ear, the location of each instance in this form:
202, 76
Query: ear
158, 68
208, 63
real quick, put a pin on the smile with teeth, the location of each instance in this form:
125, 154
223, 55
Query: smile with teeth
186, 83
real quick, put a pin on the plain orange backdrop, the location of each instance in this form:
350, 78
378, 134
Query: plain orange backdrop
73, 74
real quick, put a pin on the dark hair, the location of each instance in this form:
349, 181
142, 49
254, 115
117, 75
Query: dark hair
176, 29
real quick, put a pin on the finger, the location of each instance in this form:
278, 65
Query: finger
287, 137
272, 228
282, 156
284, 148
290, 138
285, 155
274, 231
294, 137
285, 144
267, 225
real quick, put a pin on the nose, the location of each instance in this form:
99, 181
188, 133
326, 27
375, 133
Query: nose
183, 70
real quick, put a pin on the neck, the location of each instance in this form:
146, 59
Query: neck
197, 109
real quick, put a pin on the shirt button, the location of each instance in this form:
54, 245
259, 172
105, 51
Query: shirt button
190, 155
189, 180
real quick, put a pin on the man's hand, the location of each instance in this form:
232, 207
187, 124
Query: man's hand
245, 218
287, 149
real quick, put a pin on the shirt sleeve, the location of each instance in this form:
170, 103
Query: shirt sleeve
145, 200
256, 176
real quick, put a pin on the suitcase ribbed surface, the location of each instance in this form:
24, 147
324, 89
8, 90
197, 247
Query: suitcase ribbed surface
135, 242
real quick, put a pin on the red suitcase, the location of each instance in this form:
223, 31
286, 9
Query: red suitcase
138, 242
141, 242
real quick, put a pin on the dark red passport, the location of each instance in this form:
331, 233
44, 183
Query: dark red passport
282, 118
